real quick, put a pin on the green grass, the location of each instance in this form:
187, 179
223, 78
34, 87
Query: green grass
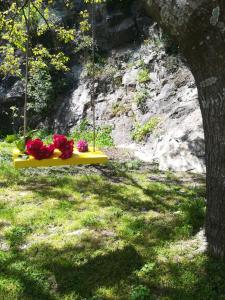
109, 232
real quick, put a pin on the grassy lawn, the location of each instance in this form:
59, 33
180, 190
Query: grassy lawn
118, 231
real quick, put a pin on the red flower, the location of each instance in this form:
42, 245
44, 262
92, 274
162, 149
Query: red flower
67, 150
59, 141
65, 146
38, 150
82, 146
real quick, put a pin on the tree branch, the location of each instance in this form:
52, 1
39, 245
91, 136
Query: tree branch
41, 14
15, 15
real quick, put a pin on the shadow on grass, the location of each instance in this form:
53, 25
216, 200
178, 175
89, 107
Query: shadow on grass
131, 197
53, 272
128, 195
202, 278
103, 270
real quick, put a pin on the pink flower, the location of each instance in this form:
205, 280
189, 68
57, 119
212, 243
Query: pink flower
82, 146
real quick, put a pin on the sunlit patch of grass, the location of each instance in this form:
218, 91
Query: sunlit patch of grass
106, 233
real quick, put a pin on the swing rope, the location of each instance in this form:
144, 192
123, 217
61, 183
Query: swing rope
93, 75
27, 19
27, 73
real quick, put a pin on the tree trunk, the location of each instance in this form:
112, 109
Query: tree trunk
210, 80
198, 26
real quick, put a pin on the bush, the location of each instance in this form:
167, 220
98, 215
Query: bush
40, 90
11, 138
140, 98
85, 132
141, 131
140, 293
143, 76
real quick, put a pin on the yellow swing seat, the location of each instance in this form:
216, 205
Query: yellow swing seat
78, 158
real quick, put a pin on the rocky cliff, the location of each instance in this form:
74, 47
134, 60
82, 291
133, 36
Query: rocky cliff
143, 90
142, 81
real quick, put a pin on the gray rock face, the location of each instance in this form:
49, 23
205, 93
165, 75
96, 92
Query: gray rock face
126, 103
114, 27
177, 142
16, 92
130, 78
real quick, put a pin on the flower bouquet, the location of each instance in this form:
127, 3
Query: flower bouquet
65, 147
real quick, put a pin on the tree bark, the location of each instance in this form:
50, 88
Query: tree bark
212, 102
199, 28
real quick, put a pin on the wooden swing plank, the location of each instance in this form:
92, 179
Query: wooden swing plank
78, 158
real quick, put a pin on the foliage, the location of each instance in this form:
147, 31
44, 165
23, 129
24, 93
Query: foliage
140, 293
40, 90
140, 132
85, 132
13, 26
119, 109
140, 98
21, 143
143, 76
49, 37
11, 138
100, 69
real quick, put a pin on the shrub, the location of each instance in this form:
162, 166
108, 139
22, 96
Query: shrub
40, 90
119, 109
141, 131
11, 138
140, 293
143, 76
140, 98
85, 132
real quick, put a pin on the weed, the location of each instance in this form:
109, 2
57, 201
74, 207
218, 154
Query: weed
142, 131
119, 109
11, 138
143, 76
140, 293
140, 98
85, 132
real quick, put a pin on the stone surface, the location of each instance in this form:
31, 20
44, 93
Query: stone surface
130, 78
171, 95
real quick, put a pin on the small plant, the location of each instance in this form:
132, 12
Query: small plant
140, 98
11, 138
119, 109
146, 270
142, 131
101, 68
143, 76
16, 235
140, 293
